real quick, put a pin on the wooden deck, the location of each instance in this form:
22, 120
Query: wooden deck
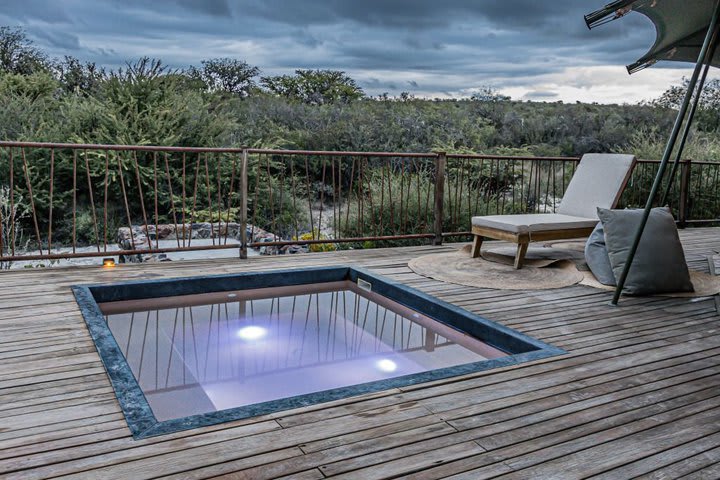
638, 394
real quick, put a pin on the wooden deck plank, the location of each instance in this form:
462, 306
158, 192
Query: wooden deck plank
412, 463
663, 461
534, 436
371, 444
591, 390
541, 452
111, 459
687, 466
126, 450
636, 394
599, 458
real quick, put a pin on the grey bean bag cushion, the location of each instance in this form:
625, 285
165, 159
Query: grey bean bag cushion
659, 265
596, 256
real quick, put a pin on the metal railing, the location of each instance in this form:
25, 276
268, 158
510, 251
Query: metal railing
59, 199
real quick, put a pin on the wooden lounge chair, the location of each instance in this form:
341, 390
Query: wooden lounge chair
598, 182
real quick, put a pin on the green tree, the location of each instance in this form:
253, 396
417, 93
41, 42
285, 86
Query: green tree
707, 117
34, 87
18, 54
226, 75
147, 103
489, 94
78, 77
315, 87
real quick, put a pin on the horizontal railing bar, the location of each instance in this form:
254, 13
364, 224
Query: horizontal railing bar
341, 240
144, 148
341, 154
643, 160
480, 156
703, 222
687, 160
156, 148
115, 253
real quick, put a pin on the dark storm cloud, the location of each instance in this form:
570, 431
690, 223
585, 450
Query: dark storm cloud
29, 11
218, 8
449, 46
212, 7
59, 39
375, 13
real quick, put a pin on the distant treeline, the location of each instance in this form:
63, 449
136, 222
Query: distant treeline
226, 102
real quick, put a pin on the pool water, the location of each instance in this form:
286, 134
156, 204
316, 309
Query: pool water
207, 352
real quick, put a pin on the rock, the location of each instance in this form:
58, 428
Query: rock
270, 249
291, 249
144, 238
125, 239
155, 257
164, 231
188, 230
137, 258
182, 231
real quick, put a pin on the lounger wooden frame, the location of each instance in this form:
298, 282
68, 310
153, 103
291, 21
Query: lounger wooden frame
523, 239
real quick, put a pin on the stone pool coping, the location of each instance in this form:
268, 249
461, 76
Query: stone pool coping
143, 423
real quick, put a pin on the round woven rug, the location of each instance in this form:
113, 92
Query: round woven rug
555, 265
495, 270
705, 285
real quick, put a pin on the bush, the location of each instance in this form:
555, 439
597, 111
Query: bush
317, 247
11, 230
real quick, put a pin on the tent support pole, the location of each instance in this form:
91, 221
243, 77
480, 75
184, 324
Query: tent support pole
709, 38
688, 122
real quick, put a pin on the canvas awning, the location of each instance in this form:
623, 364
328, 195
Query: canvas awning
680, 27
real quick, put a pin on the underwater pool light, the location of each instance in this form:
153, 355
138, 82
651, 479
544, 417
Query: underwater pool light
386, 365
251, 333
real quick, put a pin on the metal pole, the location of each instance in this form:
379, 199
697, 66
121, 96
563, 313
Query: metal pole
600, 17
691, 116
243, 204
709, 38
440, 163
683, 206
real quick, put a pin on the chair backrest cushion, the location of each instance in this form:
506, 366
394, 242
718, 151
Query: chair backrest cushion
598, 182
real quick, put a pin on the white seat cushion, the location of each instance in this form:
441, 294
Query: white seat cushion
534, 222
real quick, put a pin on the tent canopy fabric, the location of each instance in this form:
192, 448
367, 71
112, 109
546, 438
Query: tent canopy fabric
680, 27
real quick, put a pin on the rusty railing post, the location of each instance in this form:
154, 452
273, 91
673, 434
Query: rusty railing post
440, 164
684, 193
243, 204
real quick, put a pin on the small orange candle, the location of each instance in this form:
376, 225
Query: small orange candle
108, 262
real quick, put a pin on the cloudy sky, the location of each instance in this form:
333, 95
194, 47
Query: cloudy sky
528, 49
